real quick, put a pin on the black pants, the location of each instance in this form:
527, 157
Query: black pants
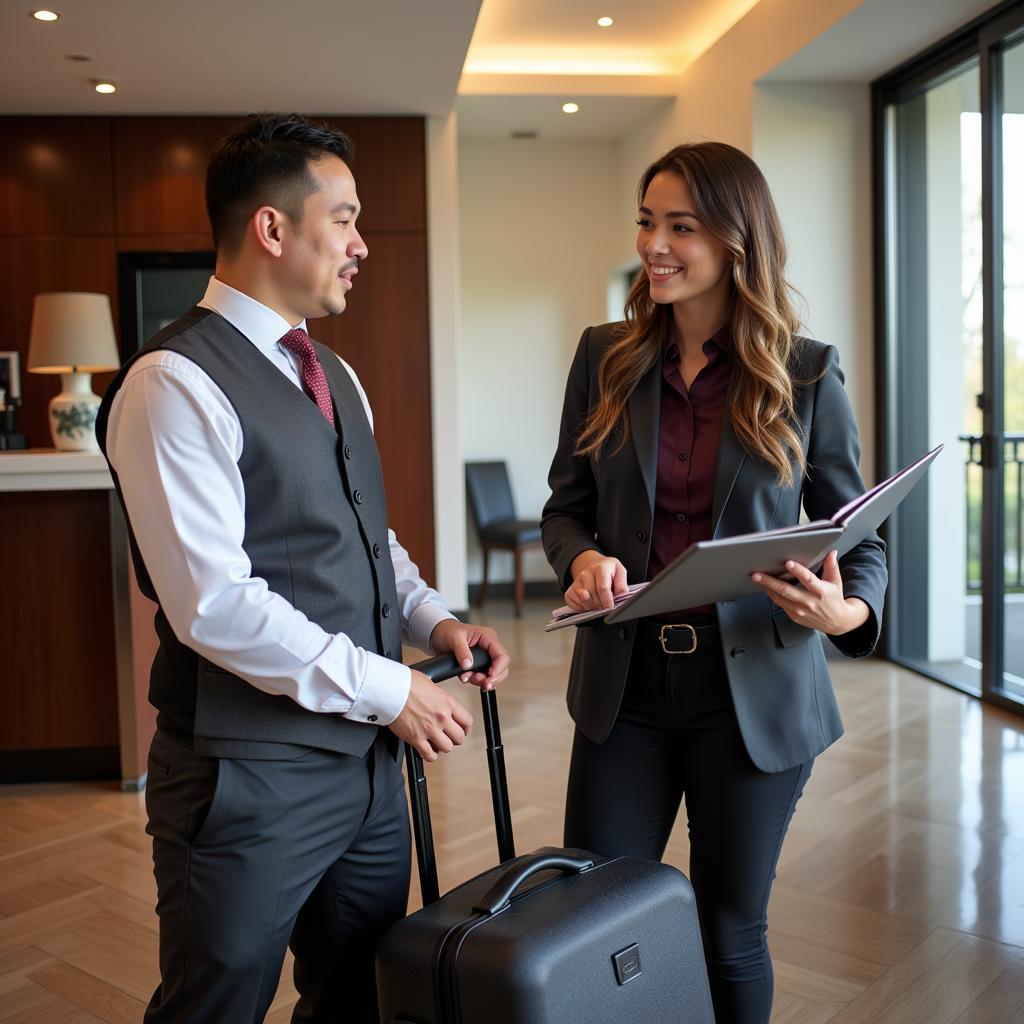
677, 738
253, 856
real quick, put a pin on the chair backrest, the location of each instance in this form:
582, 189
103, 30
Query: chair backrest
490, 493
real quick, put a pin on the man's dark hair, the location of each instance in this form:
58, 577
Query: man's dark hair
264, 161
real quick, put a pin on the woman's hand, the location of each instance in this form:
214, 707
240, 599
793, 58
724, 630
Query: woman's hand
816, 603
596, 578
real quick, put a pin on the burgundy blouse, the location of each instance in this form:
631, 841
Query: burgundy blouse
688, 433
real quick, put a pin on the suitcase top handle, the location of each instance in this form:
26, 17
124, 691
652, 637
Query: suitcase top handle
444, 666
501, 892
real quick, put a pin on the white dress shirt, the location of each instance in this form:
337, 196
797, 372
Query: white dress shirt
175, 441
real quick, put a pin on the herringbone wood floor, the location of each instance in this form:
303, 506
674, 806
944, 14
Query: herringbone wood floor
900, 895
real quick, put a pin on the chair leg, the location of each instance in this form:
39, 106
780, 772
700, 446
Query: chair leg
520, 585
482, 596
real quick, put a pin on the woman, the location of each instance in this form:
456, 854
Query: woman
705, 415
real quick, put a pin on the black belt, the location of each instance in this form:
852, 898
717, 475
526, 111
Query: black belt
679, 637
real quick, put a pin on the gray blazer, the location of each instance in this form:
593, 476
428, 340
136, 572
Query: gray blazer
777, 671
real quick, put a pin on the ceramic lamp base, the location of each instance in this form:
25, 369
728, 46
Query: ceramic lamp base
73, 414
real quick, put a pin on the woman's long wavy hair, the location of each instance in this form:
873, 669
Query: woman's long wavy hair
732, 201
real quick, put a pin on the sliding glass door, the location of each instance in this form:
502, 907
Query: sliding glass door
950, 218
1005, 75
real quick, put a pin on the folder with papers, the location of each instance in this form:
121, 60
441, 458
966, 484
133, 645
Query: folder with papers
719, 570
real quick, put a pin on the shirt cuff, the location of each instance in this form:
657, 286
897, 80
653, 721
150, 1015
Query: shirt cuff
422, 623
384, 692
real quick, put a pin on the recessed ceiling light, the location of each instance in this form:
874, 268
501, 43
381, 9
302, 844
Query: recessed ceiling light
570, 108
103, 86
45, 15
606, 22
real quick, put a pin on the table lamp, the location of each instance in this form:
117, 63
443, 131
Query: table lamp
73, 335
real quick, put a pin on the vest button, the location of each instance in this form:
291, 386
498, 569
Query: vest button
348, 451
387, 654
737, 651
377, 551
371, 718
386, 610
357, 497
641, 535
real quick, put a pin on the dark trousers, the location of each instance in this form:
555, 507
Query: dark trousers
677, 738
253, 856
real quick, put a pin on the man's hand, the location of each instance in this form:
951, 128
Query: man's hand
432, 722
596, 578
452, 637
816, 603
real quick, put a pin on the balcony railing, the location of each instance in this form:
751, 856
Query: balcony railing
1013, 487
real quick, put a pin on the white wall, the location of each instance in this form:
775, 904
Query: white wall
716, 93
813, 142
445, 328
537, 230
944, 266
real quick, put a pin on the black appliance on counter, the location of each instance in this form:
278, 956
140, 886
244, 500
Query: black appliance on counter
10, 403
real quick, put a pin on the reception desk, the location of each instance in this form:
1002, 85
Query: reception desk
76, 636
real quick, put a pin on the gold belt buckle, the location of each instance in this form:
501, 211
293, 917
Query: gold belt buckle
677, 625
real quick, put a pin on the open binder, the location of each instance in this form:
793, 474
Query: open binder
719, 570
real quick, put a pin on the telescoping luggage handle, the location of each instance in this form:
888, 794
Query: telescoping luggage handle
436, 669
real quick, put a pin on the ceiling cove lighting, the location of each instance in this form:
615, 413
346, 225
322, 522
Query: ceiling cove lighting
570, 108
505, 64
45, 15
103, 86
606, 22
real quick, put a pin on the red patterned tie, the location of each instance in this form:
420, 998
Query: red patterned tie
314, 380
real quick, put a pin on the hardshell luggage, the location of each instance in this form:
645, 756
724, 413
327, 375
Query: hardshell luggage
555, 937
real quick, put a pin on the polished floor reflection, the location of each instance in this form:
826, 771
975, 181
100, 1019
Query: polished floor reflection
900, 894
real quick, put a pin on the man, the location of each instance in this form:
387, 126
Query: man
243, 455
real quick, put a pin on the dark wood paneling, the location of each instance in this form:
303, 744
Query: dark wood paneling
383, 334
165, 243
160, 163
159, 173
390, 170
32, 265
58, 686
137, 184
56, 176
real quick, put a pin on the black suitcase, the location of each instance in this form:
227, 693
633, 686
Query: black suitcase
554, 937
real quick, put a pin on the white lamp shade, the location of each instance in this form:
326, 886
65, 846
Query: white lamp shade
72, 332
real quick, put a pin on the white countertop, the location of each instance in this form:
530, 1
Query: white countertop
46, 469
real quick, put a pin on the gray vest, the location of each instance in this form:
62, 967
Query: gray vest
315, 530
